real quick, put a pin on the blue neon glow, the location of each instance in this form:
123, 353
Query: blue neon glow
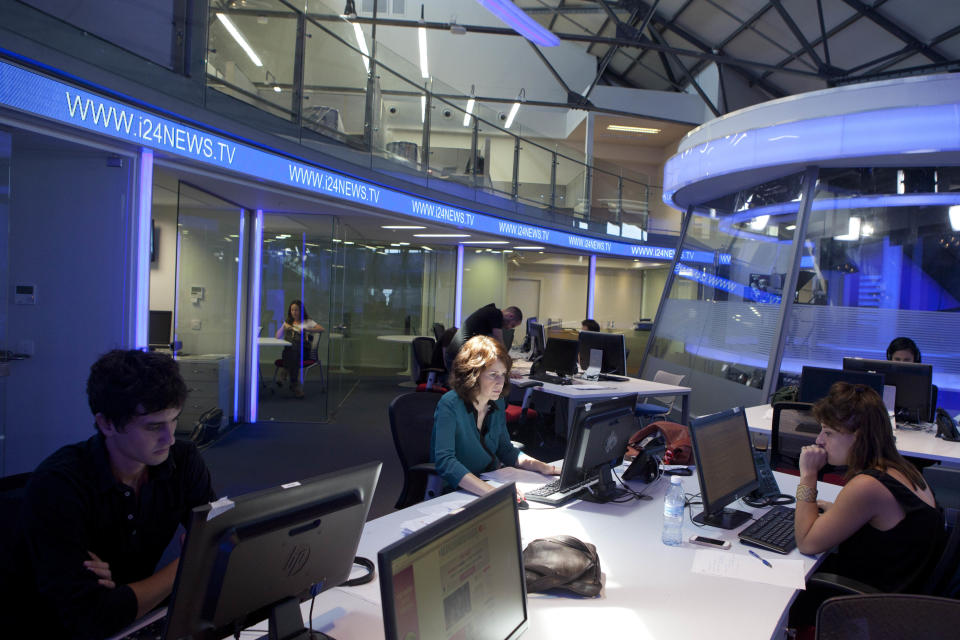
458, 295
591, 285
253, 375
518, 20
723, 284
864, 134
144, 222
236, 347
38, 95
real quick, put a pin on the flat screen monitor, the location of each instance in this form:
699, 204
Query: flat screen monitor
267, 552
725, 468
560, 357
538, 340
597, 443
160, 325
459, 577
913, 381
815, 382
614, 349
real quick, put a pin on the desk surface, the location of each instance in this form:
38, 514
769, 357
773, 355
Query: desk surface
920, 444
649, 589
603, 388
400, 338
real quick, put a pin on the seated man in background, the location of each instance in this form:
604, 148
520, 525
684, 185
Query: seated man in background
589, 325
98, 514
485, 321
903, 350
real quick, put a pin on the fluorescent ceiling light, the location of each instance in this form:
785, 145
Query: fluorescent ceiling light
790, 227
853, 230
466, 116
954, 213
401, 226
626, 129
422, 37
233, 31
425, 248
529, 248
512, 115
362, 43
441, 235
759, 222
484, 242
423, 109
515, 18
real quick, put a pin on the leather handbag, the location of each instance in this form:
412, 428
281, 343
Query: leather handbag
679, 446
562, 562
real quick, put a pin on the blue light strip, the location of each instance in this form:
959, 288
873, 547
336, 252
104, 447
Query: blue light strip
238, 332
144, 221
591, 285
41, 96
518, 20
458, 295
256, 250
864, 134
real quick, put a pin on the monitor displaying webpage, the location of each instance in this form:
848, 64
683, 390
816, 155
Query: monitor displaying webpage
464, 585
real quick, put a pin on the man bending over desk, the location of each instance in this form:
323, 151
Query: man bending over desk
98, 514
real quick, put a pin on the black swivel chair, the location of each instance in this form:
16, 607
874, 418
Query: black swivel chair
424, 371
887, 616
411, 423
438, 330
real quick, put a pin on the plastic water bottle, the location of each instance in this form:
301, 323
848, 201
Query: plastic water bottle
673, 513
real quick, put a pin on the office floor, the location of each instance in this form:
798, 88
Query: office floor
256, 456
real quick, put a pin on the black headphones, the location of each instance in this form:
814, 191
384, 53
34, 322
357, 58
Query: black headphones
365, 578
768, 501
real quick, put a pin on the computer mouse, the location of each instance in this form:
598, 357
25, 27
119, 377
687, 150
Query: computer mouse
523, 504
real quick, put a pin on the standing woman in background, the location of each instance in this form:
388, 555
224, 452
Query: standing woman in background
294, 326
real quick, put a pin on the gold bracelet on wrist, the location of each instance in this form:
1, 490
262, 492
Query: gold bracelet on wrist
806, 494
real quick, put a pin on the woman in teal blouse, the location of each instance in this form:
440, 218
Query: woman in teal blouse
469, 427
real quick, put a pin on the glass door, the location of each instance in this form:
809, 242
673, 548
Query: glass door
208, 303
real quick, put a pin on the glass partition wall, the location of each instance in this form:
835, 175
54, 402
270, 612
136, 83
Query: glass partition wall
875, 253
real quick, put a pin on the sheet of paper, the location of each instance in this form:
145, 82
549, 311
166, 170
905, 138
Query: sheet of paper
589, 387
220, 506
784, 572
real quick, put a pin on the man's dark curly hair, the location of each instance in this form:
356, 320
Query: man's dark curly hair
126, 383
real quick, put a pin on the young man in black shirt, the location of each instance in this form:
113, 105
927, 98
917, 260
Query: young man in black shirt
98, 514
485, 321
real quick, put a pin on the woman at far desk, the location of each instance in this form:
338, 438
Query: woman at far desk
469, 426
293, 330
885, 519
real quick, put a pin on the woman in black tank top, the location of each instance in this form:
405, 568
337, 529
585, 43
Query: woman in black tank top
885, 519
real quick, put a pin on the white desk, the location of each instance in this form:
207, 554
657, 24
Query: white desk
649, 589
265, 341
406, 339
919, 444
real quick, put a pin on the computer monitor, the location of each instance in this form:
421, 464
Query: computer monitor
267, 552
560, 357
815, 382
597, 443
725, 468
160, 324
538, 340
614, 349
459, 577
913, 381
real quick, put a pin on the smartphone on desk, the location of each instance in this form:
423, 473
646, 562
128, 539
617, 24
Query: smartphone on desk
713, 543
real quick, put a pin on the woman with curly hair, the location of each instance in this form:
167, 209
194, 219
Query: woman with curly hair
469, 427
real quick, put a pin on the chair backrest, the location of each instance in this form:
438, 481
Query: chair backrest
411, 424
945, 578
665, 377
421, 355
312, 339
438, 330
793, 427
887, 615
945, 484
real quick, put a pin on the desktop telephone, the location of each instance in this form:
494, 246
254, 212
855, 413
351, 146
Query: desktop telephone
768, 493
646, 465
947, 427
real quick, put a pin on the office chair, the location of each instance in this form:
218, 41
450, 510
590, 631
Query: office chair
13, 563
411, 423
310, 360
423, 370
883, 616
438, 330
792, 428
518, 411
662, 407
945, 484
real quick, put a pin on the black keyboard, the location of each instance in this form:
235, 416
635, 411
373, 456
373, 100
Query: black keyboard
611, 378
773, 531
552, 379
550, 493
